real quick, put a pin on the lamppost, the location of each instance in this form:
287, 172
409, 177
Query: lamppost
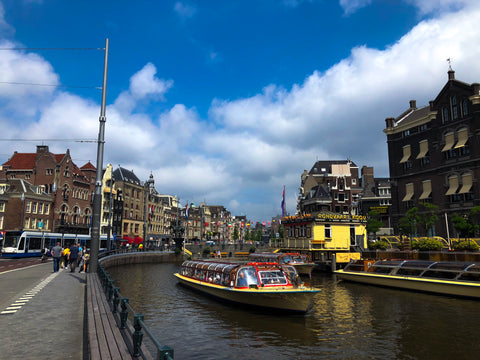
148, 186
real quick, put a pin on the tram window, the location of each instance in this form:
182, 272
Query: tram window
21, 245
35, 243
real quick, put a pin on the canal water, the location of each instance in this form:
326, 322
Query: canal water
347, 321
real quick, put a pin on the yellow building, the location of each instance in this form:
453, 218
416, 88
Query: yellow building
325, 234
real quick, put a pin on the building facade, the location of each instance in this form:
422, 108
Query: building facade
434, 155
70, 188
332, 186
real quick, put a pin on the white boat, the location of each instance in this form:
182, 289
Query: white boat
265, 285
447, 278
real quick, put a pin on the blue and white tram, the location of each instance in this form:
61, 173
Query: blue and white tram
18, 244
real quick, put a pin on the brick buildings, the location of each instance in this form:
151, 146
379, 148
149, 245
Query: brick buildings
434, 154
63, 192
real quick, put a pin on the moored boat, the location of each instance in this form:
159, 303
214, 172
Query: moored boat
447, 278
266, 285
297, 260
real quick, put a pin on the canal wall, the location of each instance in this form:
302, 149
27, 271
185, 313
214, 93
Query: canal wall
139, 258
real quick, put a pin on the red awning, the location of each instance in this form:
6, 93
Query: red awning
138, 240
128, 239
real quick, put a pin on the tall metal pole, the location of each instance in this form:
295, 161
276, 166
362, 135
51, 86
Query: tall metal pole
97, 198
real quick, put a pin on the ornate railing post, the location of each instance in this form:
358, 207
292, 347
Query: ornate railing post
116, 300
137, 335
123, 313
166, 353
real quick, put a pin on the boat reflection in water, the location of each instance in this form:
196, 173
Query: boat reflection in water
258, 284
448, 278
299, 261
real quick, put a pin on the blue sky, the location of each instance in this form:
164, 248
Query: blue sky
227, 101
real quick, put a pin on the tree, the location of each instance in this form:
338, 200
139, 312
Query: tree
467, 225
429, 218
408, 224
373, 222
236, 234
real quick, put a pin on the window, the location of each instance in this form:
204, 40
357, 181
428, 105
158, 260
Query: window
34, 207
406, 133
454, 108
449, 141
328, 231
427, 190
445, 115
462, 136
406, 154
452, 185
464, 107
423, 146
49, 171
423, 127
40, 208
47, 209
409, 191
2, 207
28, 208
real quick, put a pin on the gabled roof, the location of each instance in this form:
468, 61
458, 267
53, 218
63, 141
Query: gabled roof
318, 192
122, 174
26, 161
88, 166
327, 164
412, 115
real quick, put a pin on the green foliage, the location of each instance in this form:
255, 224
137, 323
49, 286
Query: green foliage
427, 244
236, 234
467, 224
408, 224
252, 249
466, 245
378, 245
207, 250
373, 222
429, 217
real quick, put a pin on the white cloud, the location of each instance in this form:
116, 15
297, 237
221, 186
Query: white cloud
350, 6
433, 6
184, 10
144, 83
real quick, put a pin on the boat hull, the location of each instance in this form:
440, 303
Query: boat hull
304, 269
289, 299
444, 287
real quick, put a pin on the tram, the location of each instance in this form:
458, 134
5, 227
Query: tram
17, 244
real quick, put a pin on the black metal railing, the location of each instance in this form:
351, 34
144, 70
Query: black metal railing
130, 323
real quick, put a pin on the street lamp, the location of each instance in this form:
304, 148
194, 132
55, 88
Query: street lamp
148, 186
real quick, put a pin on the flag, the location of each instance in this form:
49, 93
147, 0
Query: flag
186, 211
283, 202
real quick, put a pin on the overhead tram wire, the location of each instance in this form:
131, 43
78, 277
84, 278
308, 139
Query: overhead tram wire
54, 49
53, 140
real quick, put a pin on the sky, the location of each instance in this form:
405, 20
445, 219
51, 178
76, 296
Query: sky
226, 102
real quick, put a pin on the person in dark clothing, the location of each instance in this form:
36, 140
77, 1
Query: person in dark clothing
73, 257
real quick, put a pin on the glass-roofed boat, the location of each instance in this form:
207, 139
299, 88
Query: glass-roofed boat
266, 285
448, 278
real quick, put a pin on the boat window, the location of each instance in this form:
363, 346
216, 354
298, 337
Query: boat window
414, 268
272, 277
471, 274
445, 270
246, 277
382, 269
358, 265
440, 274
286, 259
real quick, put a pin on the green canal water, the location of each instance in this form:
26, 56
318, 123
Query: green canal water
347, 321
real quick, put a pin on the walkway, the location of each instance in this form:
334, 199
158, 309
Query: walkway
43, 314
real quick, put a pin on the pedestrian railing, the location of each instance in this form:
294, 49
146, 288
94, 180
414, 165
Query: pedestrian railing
130, 323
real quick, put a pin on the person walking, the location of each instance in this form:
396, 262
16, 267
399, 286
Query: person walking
73, 257
56, 254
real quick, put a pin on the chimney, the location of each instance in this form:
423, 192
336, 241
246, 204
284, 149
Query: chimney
476, 88
390, 122
451, 75
413, 104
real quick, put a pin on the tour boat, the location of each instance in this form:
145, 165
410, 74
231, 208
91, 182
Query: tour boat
447, 278
265, 285
297, 260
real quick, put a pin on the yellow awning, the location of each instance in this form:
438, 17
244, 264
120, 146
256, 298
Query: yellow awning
449, 140
466, 184
453, 185
462, 138
409, 192
423, 149
427, 189
406, 154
